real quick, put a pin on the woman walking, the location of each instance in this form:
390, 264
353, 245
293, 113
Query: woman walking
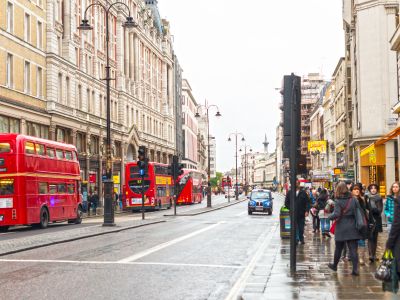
393, 242
389, 205
358, 195
375, 208
346, 231
324, 206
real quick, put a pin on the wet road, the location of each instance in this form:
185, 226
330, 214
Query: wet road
208, 256
24, 231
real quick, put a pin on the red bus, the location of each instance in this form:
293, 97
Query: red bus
159, 188
39, 182
191, 189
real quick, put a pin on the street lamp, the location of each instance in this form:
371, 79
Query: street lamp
108, 183
236, 134
207, 107
245, 167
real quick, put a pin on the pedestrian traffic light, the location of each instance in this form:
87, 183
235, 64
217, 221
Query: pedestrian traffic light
179, 169
142, 161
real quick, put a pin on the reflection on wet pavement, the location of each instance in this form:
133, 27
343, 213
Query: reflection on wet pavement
271, 278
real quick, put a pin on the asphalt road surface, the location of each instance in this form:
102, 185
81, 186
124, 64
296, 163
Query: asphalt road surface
208, 256
24, 231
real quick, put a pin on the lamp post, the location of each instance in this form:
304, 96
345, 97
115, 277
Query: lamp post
206, 108
108, 183
246, 183
236, 134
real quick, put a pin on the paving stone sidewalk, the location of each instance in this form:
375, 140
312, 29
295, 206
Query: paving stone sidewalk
271, 279
46, 239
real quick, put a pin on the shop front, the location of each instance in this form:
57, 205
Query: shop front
373, 166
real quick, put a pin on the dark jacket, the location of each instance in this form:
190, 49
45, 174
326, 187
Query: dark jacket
302, 203
345, 224
393, 241
375, 208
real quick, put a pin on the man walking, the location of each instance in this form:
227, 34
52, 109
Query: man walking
302, 204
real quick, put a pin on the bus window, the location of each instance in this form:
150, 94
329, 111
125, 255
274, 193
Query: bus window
68, 155
40, 149
59, 153
5, 147
161, 191
43, 188
71, 188
61, 188
6, 186
29, 148
74, 156
52, 189
50, 152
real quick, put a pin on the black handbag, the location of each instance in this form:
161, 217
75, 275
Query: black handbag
384, 270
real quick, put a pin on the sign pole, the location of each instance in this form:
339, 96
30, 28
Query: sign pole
142, 197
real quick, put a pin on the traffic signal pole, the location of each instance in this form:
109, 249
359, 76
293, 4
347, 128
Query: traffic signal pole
143, 197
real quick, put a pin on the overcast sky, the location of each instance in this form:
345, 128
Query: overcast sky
234, 54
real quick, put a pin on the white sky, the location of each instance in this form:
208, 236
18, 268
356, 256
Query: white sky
234, 54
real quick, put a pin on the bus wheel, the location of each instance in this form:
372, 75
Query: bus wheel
44, 218
4, 228
79, 215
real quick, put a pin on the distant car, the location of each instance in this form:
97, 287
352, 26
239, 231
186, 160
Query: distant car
260, 200
231, 193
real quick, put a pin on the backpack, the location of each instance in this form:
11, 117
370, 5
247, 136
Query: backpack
361, 220
321, 203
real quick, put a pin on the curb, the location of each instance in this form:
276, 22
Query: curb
80, 238
205, 211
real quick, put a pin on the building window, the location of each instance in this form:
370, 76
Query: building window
38, 130
9, 70
94, 145
27, 28
9, 125
89, 109
79, 102
10, 17
39, 35
60, 94
92, 103
59, 46
81, 142
77, 57
61, 135
68, 91
27, 77
39, 82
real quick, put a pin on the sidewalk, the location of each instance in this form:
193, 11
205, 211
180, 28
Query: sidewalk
271, 279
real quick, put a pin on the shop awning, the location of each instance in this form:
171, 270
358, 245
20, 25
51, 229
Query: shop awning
391, 135
367, 150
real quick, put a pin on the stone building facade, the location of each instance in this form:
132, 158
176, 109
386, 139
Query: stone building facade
71, 107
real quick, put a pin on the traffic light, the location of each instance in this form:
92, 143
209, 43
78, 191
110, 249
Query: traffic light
179, 169
291, 94
142, 161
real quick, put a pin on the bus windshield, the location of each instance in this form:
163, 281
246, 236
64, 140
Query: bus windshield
6, 187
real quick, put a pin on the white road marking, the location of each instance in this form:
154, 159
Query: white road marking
238, 287
242, 213
77, 262
167, 244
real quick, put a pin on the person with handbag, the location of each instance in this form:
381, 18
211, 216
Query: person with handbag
323, 211
345, 227
362, 247
375, 208
393, 241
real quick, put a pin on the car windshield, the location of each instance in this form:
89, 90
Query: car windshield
259, 195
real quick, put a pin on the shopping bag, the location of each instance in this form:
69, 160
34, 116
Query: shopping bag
392, 285
333, 227
384, 270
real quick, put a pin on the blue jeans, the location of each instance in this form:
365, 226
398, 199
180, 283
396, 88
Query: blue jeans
325, 225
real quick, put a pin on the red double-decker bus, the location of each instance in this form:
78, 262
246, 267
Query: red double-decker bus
191, 189
39, 182
159, 187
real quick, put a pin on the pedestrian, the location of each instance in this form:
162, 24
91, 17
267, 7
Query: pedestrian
302, 207
314, 210
325, 207
345, 231
393, 242
95, 202
375, 208
89, 203
359, 196
389, 205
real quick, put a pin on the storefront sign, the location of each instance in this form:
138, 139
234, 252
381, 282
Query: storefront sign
116, 179
337, 171
339, 149
314, 146
163, 180
367, 150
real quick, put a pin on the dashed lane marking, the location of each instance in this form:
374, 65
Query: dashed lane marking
77, 262
241, 214
167, 244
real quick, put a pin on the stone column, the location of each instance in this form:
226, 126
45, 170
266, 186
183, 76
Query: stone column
390, 164
73, 136
52, 131
24, 129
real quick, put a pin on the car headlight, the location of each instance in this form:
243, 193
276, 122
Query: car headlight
252, 203
267, 203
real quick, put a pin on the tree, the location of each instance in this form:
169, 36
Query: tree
216, 181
